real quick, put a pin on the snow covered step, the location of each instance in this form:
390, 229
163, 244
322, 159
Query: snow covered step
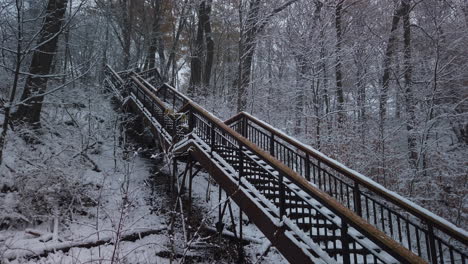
292, 203
261, 182
288, 197
309, 226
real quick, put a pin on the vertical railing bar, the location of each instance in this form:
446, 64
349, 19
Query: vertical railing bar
281, 196
357, 199
408, 235
441, 253
418, 241
382, 217
345, 242
433, 253
390, 222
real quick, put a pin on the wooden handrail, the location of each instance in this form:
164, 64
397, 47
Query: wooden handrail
377, 236
115, 73
416, 210
167, 86
151, 94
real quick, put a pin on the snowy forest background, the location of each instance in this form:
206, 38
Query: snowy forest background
381, 86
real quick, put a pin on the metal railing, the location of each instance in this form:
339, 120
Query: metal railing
333, 224
427, 235
289, 200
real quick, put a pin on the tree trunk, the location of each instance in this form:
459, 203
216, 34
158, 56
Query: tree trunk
155, 32
127, 27
209, 46
197, 54
246, 52
409, 97
247, 46
302, 82
338, 72
176, 38
36, 82
391, 46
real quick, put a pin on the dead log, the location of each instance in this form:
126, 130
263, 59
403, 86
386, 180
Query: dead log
42, 250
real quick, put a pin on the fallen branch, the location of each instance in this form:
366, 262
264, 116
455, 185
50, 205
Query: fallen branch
36, 233
43, 250
96, 167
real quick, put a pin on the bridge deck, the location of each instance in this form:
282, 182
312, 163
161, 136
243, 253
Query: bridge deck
312, 209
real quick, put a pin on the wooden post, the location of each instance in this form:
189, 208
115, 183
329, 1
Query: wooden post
432, 245
345, 242
282, 196
272, 144
307, 167
357, 199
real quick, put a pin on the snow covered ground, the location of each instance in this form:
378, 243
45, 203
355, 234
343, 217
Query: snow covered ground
79, 187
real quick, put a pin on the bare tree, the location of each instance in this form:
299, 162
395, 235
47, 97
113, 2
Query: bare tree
247, 43
36, 83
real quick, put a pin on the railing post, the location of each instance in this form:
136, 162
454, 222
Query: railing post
272, 144
244, 127
281, 196
357, 199
345, 242
212, 137
191, 119
307, 167
241, 162
318, 172
432, 245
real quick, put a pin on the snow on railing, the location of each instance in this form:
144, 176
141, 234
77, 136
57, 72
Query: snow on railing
422, 231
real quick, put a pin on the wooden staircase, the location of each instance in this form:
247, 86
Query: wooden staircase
312, 209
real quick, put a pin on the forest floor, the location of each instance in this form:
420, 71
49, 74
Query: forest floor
78, 196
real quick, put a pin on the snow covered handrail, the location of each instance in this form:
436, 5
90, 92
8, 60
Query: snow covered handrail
152, 76
293, 197
213, 126
110, 73
358, 192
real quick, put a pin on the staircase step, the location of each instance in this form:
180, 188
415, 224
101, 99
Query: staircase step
325, 226
260, 182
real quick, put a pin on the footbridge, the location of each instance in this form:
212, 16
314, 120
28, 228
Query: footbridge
311, 208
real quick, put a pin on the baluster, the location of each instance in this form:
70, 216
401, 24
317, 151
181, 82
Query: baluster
357, 199
212, 137
191, 119
281, 196
241, 162
319, 177
244, 127
345, 242
307, 167
272, 144
432, 245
